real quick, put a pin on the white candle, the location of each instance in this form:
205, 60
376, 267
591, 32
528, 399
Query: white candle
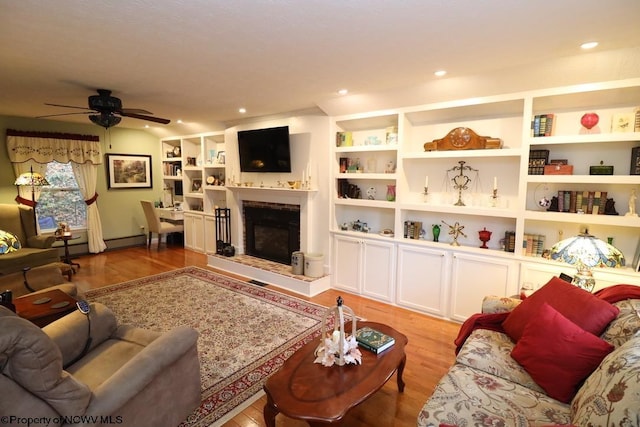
426, 182
495, 182
336, 337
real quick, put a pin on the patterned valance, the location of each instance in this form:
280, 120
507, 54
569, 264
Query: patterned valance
45, 147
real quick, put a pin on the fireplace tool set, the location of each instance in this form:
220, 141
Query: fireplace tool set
223, 232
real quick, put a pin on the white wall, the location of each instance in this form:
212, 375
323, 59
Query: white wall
309, 136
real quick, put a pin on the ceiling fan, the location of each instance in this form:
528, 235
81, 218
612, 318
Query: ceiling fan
106, 110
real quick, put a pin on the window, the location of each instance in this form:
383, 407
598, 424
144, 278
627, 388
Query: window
61, 201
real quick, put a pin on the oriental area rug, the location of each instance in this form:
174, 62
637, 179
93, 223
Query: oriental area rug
246, 331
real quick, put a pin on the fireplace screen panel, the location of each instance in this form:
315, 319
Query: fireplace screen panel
272, 232
271, 242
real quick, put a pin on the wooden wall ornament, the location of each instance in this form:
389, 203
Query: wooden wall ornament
463, 138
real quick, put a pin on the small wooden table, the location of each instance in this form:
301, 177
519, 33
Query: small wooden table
31, 308
321, 395
67, 257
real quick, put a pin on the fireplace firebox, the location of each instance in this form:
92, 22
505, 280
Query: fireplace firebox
271, 230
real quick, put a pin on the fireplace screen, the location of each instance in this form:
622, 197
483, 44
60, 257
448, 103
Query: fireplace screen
272, 233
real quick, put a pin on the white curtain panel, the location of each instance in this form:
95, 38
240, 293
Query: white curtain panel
36, 149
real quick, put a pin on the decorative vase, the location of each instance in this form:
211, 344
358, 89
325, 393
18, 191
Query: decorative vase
436, 232
485, 236
391, 192
590, 121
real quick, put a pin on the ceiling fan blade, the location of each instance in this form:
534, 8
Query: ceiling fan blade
67, 106
143, 117
135, 111
63, 114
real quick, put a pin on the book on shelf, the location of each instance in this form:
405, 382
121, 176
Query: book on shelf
533, 244
635, 160
561, 201
585, 199
509, 241
542, 125
537, 161
412, 229
573, 201
603, 202
590, 199
374, 340
344, 139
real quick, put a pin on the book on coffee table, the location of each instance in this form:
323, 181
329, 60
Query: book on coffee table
373, 340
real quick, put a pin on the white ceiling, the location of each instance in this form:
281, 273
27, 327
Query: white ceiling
200, 60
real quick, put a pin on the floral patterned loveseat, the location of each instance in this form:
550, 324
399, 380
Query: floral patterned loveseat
581, 378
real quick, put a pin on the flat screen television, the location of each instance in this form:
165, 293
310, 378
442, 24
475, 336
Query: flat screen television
264, 150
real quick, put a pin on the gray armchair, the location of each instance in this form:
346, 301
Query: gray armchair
36, 249
39, 279
128, 376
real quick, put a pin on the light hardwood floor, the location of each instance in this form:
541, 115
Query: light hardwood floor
430, 351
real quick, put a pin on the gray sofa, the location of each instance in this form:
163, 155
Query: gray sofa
487, 386
128, 377
36, 249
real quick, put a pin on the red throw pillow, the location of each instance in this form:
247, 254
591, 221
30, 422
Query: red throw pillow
585, 310
558, 354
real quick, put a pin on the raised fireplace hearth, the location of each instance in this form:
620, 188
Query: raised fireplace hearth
271, 230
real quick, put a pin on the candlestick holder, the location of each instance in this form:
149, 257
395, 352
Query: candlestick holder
494, 198
461, 181
425, 193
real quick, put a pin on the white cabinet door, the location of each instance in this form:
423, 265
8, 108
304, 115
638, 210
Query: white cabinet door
378, 269
364, 266
347, 263
210, 235
474, 277
422, 279
194, 232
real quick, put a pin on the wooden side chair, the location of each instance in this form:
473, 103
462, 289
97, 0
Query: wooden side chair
154, 225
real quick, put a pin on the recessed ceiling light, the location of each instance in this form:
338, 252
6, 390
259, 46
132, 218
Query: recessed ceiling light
179, 120
146, 126
242, 110
440, 73
343, 92
589, 45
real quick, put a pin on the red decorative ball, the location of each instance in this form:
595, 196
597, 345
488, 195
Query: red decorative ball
589, 120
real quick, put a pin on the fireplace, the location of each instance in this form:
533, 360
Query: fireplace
271, 230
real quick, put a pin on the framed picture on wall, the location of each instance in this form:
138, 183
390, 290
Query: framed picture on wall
129, 171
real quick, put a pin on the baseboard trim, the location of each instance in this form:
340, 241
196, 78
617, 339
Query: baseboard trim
78, 249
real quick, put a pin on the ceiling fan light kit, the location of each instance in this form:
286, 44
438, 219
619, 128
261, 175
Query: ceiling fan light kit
109, 110
105, 120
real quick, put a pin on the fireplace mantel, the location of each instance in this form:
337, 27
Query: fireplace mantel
270, 189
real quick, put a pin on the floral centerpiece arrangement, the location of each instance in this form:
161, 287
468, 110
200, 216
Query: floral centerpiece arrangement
336, 347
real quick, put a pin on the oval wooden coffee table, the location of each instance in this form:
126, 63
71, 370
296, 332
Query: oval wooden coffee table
321, 395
